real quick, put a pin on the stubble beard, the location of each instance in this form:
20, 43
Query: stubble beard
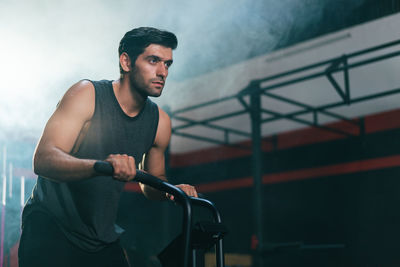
142, 87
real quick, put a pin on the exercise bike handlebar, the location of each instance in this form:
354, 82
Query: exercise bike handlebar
106, 168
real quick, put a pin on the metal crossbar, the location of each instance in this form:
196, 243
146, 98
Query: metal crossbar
329, 67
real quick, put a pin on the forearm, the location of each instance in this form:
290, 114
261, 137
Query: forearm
55, 164
152, 193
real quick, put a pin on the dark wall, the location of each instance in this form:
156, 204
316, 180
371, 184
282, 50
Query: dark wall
356, 211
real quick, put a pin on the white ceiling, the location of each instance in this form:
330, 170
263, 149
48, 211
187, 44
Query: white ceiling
372, 78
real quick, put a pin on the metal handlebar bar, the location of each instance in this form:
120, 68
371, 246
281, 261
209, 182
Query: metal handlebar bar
179, 196
220, 260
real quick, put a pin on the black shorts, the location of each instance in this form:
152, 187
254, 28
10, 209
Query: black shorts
43, 244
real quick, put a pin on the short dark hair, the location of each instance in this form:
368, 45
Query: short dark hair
135, 41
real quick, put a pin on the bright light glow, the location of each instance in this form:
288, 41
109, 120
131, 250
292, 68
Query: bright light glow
10, 180
41, 59
22, 191
4, 193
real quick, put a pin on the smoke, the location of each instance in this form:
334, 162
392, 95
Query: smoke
46, 46
216, 34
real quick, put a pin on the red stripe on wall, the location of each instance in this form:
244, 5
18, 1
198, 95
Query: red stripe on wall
216, 153
225, 185
382, 121
315, 135
207, 155
132, 187
337, 169
373, 123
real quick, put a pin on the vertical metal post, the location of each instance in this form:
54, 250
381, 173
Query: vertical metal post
194, 259
22, 192
255, 115
346, 80
10, 180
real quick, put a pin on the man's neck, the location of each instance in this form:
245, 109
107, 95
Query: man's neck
129, 99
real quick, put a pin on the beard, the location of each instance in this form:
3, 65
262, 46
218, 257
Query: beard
144, 87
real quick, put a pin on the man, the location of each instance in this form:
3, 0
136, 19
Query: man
69, 219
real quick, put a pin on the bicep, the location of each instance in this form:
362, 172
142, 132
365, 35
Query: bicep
154, 162
155, 159
64, 126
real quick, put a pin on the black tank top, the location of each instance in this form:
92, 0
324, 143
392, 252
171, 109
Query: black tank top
86, 210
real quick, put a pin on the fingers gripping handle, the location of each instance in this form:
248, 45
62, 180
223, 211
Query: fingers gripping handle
106, 168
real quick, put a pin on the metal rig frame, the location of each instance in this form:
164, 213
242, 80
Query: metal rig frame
254, 91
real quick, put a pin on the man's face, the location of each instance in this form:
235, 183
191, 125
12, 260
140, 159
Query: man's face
150, 70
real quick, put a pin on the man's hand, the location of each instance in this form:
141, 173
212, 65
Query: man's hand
124, 167
188, 189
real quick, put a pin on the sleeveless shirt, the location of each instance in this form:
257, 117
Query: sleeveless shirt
86, 210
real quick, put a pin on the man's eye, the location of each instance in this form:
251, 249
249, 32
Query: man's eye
153, 60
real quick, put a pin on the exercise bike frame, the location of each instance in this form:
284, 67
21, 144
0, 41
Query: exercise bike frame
186, 203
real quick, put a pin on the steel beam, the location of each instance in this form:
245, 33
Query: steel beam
257, 168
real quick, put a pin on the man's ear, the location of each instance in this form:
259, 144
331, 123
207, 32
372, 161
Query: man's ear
125, 62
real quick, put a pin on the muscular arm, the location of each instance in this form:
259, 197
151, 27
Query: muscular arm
155, 160
52, 158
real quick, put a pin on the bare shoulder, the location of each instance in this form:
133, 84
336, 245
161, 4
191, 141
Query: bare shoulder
79, 99
164, 129
164, 118
81, 89
73, 111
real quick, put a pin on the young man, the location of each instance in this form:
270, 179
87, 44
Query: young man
70, 218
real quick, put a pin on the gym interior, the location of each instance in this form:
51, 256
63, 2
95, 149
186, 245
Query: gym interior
284, 115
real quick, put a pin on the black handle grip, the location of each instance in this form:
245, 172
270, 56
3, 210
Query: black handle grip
103, 167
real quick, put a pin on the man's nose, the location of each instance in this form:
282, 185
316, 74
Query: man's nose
162, 70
